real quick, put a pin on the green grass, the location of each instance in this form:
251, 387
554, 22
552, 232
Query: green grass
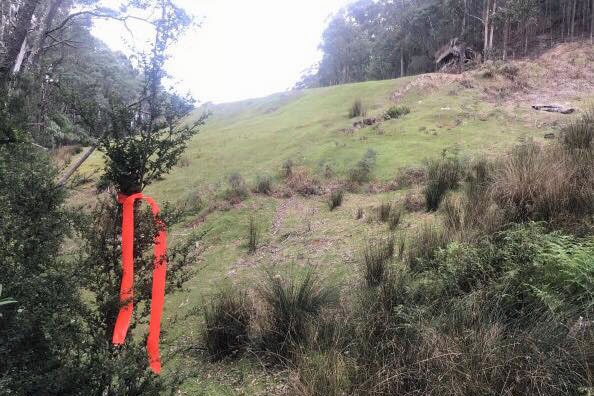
255, 137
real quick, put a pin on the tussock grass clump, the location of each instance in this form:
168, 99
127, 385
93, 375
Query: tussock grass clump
579, 134
237, 190
376, 256
361, 173
287, 169
191, 202
253, 236
395, 217
291, 307
335, 199
322, 373
383, 211
545, 183
395, 112
227, 320
263, 185
357, 109
424, 244
443, 174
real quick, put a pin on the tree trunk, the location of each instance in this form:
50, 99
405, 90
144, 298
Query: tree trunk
16, 39
20, 57
402, 64
505, 38
486, 30
47, 24
76, 165
574, 5
592, 23
492, 26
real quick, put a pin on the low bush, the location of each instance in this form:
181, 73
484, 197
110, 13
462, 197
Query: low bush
291, 307
226, 324
375, 258
190, 202
287, 169
263, 185
361, 173
395, 112
302, 182
424, 244
443, 174
579, 133
357, 109
237, 190
414, 200
335, 199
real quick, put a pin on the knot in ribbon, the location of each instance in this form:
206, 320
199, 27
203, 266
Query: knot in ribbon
126, 289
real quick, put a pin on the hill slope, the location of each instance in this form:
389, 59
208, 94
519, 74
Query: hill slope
485, 111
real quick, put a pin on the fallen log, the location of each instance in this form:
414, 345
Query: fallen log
554, 109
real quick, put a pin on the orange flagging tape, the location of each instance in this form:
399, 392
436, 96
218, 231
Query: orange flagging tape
127, 286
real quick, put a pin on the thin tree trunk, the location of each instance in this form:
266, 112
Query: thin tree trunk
47, 24
76, 165
402, 66
486, 30
492, 26
20, 57
592, 23
505, 38
16, 39
574, 5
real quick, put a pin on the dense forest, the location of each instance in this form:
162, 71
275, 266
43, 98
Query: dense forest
373, 40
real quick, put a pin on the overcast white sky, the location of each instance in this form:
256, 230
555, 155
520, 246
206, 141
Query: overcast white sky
244, 48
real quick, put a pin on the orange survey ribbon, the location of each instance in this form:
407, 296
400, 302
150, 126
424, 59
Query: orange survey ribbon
126, 289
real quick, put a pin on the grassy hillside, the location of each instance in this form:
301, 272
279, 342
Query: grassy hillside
484, 112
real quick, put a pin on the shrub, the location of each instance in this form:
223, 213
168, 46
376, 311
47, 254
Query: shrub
287, 169
410, 176
361, 173
237, 189
253, 236
579, 134
335, 199
263, 184
443, 174
302, 182
395, 217
423, 246
414, 200
375, 258
396, 112
357, 109
190, 202
383, 211
291, 306
227, 320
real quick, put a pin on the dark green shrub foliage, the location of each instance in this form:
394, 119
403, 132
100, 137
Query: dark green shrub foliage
395, 112
376, 257
335, 199
292, 305
253, 236
357, 109
443, 174
227, 321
